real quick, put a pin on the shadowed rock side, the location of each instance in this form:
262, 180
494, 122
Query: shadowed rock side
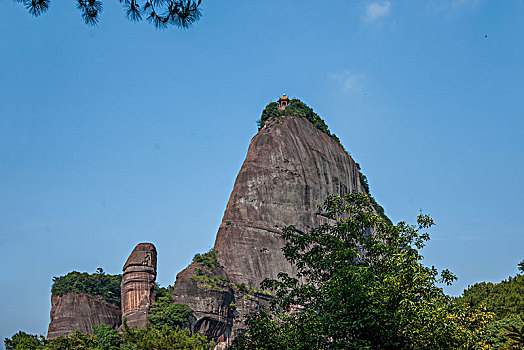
208, 293
290, 169
73, 311
219, 307
138, 281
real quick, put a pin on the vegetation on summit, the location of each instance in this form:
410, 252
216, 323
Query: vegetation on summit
296, 108
98, 283
364, 287
161, 13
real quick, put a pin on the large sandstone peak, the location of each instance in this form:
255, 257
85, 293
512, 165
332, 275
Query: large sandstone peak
290, 169
138, 281
73, 311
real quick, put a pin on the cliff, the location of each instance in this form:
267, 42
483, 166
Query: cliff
290, 169
73, 311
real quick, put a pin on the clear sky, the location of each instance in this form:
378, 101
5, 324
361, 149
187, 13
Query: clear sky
120, 134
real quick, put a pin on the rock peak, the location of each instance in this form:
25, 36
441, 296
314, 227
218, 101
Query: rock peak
138, 281
293, 163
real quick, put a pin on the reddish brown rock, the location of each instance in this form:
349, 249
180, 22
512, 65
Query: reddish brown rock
138, 281
209, 294
73, 311
290, 169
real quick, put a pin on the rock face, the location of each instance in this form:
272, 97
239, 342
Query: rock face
209, 294
138, 281
73, 311
290, 169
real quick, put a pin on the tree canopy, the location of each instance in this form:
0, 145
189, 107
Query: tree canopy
361, 284
106, 338
161, 13
506, 301
164, 312
98, 283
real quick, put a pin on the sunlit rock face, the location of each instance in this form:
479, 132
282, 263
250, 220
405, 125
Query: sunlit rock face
290, 169
138, 280
79, 311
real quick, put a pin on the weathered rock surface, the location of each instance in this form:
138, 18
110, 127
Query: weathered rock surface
290, 169
209, 294
73, 311
138, 281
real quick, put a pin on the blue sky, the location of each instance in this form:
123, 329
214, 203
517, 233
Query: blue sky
120, 134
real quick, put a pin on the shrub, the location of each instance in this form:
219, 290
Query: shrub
208, 259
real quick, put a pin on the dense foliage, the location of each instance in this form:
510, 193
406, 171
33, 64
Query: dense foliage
505, 300
164, 313
208, 259
161, 13
362, 285
106, 338
98, 283
166, 338
22, 340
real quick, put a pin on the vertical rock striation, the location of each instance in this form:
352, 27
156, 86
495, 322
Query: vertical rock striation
79, 311
138, 281
290, 169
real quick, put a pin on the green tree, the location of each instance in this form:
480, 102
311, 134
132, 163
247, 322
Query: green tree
521, 266
166, 338
164, 313
107, 338
76, 341
497, 329
515, 337
504, 299
24, 341
161, 13
361, 285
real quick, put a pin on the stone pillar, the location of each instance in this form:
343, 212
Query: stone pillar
138, 281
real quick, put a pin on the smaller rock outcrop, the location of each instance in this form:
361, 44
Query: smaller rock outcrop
79, 311
138, 281
208, 293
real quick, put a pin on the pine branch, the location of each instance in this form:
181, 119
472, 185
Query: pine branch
161, 13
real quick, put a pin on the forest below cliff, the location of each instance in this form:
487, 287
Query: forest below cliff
496, 323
